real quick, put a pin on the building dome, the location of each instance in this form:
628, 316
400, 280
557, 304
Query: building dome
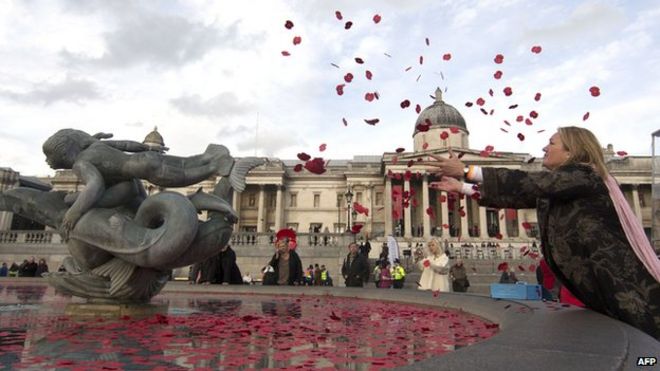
155, 141
440, 115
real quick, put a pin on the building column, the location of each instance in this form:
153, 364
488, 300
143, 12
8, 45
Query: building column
444, 211
425, 205
387, 198
236, 203
501, 218
372, 202
636, 204
407, 217
464, 218
483, 223
261, 211
278, 208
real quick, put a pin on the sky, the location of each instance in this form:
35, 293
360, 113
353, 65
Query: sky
214, 72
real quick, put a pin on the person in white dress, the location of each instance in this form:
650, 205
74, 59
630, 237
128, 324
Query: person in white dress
435, 269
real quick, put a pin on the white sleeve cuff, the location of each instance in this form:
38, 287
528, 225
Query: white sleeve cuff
468, 189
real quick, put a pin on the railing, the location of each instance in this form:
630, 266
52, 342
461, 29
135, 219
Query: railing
303, 239
30, 237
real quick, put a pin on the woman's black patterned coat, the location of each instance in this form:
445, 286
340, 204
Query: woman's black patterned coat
582, 239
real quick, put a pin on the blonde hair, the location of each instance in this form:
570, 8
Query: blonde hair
437, 243
583, 147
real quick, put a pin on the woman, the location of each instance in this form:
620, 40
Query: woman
590, 238
435, 269
385, 281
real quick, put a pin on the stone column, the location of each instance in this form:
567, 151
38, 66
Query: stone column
425, 206
236, 203
387, 198
501, 218
278, 208
464, 217
444, 208
372, 202
636, 204
261, 211
407, 217
483, 223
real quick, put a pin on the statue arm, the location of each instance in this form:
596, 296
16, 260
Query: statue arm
93, 191
127, 145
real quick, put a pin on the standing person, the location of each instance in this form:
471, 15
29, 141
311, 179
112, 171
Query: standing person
42, 267
227, 271
4, 270
508, 276
14, 270
355, 268
435, 269
377, 274
459, 280
398, 275
385, 275
590, 237
326, 280
309, 275
286, 264
317, 275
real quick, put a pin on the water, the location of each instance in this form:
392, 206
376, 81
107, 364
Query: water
218, 331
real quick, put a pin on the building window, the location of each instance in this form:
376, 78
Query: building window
293, 226
252, 200
379, 198
317, 200
293, 200
272, 199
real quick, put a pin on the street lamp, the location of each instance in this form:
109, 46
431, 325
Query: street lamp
339, 197
354, 213
349, 198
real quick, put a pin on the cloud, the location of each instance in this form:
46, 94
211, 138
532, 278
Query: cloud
68, 90
267, 143
222, 105
136, 124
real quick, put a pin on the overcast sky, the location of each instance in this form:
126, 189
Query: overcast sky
213, 71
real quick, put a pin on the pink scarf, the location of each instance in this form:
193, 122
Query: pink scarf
633, 229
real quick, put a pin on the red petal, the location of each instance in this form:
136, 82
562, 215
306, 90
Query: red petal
405, 103
526, 225
520, 118
355, 229
528, 122
418, 108
421, 59
507, 91
302, 156
340, 89
484, 111
540, 131
498, 236
484, 154
285, 53
368, 74
288, 25
503, 266
344, 121
372, 121
468, 104
423, 127
400, 149
348, 77
377, 18
338, 15
585, 117
446, 57
443, 198
454, 130
427, 42
322, 147
532, 268
316, 165
408, 69
522, 269
480, 102
622, 153
513, 106
595, 91
489, 148
348, 25
369, 97
536, 49
506, 122
359, 60
497, 75
444, 135
334, 65
533, 114
425, 145
499, 59
537, 97
521, 137
376, 95
504, 130
410, 163
490, 92
298, 168
297, 40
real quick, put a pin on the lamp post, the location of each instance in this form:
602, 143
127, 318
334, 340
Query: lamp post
354, 213
349, 198
339, 197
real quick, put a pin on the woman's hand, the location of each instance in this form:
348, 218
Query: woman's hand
451, 167
447, 184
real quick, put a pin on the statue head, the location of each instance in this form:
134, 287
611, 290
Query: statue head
63, 147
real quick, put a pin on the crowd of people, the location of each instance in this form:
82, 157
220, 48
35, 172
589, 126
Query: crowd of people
28, 268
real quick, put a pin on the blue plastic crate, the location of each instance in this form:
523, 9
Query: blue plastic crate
519, 291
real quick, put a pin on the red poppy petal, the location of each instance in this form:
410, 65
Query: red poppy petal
399, 150
540, 131
497, 75
408, 68
585, 117
444, 135
322, 147
520, 118
368, 74
508, 91
490, 92
537, 97
302, 156
534, 114
536, 49
423, 127
377, 18
340, 89
427, 42
521, 137
425, 145
421, 59
446, 57
338, 15
532, 268
334, 65
595, 91
622, 153
348, 25
480, 102
297, 40
369, 97
499, 59
454, 130
468, 104
359, 60
513, 106
405, 103
288, 24
507, 122
372, 121
285, 53
528, 122
418, 108
348, 77
504, 130
298, 168
344, 121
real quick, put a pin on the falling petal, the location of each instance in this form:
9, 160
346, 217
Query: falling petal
468, 104
537, 97
425, 145
531, 160
536, 49
288, 25
340, 89
344, 121
504, 130
302, 156
427, 42
348, 25
387, 55
368, 74
497, 75
377, 18
521, 137
534, 114
528, 122
418, 108
520, 118
372, 121
595, 91
507, 123
285, 53
297, 40
540, 131
444, 135
499, 59
421, 59
338, 15
405, 104
585, 117
454, 130
359, 60
322, 147
446, 57
298, 168
348, 77
334, 65
480, 102
399, 150
622, 153
513, 106
408, 69
418, 76
508, 91
490, 92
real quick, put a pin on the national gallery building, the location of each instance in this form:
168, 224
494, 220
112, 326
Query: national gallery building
392, 186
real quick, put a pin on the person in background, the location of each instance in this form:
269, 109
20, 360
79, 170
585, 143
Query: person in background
309, 275
508, 276
247, 279
459, 280
286, 264
590, 237
398, 275
227, 271
42, 267
355, 268
385, 281
14, 270
326, 280
435, 269
4, 270
377, 274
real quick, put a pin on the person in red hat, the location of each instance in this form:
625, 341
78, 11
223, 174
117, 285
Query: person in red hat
286, 264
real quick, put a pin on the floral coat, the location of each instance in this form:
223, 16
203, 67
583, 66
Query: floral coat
582, 239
